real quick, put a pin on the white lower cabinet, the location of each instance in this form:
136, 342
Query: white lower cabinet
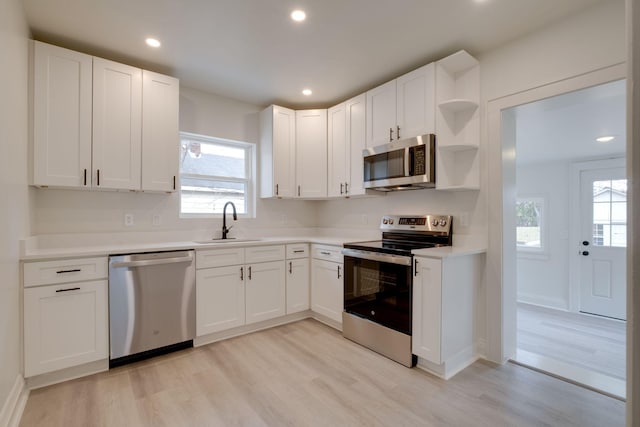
327, 289
65, 325
445, 310
228, 296
297, 285
219, 299
265, 291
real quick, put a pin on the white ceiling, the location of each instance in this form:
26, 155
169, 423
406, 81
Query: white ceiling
252, 51
566, 127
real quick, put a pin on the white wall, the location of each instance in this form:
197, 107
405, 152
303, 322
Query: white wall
544, 279
14, 213
72, 211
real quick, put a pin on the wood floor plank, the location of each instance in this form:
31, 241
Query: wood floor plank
307, 374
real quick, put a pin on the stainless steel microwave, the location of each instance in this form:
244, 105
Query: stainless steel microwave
408, 164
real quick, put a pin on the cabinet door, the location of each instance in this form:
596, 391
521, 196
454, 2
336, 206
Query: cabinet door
265, 296
219, 299
338, 165
297, 285
356, 141
416, 103
327, 290
284, 152
427, 309
311, 153
160, 133
381, 114
61, 117
117, 131
65, 325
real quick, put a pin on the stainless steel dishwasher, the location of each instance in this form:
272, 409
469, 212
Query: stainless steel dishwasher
151, 304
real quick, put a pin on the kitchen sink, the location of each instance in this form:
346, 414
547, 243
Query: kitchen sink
228, 240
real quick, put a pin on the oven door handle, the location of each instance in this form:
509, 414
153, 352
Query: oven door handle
376, 256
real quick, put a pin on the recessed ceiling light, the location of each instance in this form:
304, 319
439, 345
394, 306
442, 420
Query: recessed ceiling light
306, 92
605, 138
153, 42
298, 15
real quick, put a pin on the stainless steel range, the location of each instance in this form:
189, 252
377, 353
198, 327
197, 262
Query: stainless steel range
378, 283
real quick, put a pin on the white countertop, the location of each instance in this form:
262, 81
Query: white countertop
449, 251
40, 254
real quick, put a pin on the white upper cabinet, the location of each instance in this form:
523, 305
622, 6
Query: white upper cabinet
117, 125
416, 107
61, 117
311, 153
277, 152
381, 114
402, 108
346, 141
356, 139
90, 129
339, 155
160, 131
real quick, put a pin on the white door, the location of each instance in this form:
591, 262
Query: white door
284, 151
327, 293
602, 248
297, 285
427, 309
117, 125
220, 301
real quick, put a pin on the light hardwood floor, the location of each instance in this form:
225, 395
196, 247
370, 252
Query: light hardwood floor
594, 343
307, 374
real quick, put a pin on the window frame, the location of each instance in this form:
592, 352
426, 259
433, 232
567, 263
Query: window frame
544, 206
250, 171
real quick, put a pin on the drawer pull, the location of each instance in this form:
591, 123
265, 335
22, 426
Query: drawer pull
68, 290
299, 251
290, 267
325, 253
339, 276
75, 270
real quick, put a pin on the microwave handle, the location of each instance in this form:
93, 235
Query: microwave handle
408, 162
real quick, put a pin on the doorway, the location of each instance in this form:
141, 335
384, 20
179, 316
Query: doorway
570, 225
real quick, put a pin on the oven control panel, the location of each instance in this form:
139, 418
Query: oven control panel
440, 224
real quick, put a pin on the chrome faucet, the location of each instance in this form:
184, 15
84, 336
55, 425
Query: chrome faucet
225, 230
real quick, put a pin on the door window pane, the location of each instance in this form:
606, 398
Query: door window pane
610, 213
529, 223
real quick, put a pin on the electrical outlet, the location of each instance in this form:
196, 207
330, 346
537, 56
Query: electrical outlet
157, 219
128, 220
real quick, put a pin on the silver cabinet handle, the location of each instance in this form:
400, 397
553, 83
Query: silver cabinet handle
325, 253
390, 134
298, 251
290, 267
341, 185
346, 188
241, 273
149, 262
249, 273
398, 132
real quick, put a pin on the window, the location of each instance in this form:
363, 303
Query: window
530, 224
214, 171
610, 213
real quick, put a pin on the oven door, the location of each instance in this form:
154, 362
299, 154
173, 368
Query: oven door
378, 287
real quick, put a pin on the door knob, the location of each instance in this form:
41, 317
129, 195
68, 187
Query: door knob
585, 243
585, 253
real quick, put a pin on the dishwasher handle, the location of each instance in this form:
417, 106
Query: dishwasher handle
145, 263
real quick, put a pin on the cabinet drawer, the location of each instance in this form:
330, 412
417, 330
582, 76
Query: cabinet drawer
264, 253
63, 271
298, 250
327, 253
219, 257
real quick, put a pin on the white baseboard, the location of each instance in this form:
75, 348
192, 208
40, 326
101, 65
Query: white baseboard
67, 374
327, 321
452, 366
544, 301
14, 405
